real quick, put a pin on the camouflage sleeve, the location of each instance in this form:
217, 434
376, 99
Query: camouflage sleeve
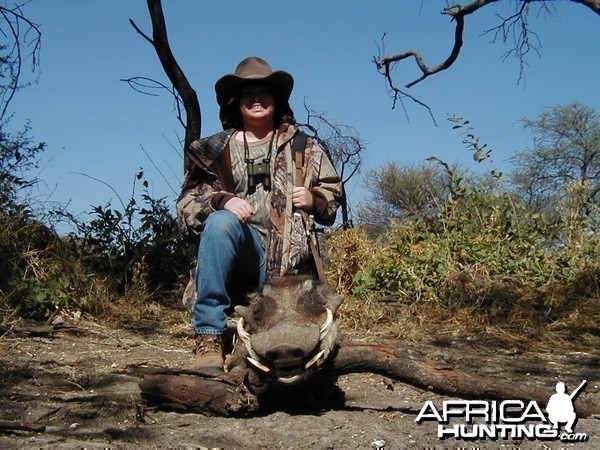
325, 185
194, 203
201, 182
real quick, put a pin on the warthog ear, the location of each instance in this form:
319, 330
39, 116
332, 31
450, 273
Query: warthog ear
307, 285
244, 312
332, 300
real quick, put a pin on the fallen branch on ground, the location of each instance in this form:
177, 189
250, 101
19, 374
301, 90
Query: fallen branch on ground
20, 426
231, 394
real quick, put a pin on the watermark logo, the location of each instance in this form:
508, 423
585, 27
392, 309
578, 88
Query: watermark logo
508, 419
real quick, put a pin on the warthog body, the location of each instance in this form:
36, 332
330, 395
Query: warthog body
286, 334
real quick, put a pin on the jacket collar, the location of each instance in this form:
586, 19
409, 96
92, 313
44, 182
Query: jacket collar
285, 133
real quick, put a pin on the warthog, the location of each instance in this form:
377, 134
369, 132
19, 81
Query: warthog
286, 334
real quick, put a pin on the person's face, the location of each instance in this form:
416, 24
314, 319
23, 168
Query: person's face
257, 105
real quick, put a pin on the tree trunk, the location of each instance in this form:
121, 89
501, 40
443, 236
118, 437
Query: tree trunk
223, 395
176, 76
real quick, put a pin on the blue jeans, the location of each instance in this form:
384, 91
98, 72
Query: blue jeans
230, 253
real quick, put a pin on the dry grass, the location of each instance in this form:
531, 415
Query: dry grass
477, 306
95, 297
347, 252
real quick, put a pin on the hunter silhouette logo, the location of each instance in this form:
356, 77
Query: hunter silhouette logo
507, 419
560, 407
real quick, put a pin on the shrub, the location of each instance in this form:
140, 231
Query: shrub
139, 243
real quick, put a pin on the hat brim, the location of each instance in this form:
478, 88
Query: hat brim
228, 85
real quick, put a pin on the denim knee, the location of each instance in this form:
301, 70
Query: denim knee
222, 223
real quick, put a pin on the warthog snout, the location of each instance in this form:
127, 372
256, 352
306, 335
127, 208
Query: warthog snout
287, 346
285, 355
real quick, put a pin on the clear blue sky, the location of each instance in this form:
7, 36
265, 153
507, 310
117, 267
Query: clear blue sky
95, 124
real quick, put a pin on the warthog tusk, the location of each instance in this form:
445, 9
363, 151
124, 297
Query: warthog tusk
255, 363
327, 325
241, 330
245, 337
288, 380
314, 359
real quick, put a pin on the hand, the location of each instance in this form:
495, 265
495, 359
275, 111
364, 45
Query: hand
302, 198
241, 208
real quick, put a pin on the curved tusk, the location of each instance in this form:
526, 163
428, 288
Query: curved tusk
245, 337
258, 365
288, 380
327, 325
314, 359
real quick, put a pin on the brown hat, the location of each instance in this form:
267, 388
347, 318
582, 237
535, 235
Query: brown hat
253, 69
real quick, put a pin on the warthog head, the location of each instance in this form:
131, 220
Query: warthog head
288, 330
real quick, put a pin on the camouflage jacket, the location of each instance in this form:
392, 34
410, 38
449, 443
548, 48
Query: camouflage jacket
214, 171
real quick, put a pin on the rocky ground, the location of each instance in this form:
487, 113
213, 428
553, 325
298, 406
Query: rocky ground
78, 387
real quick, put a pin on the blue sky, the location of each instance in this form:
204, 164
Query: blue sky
97, 125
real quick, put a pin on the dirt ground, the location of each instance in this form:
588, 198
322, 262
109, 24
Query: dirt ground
81, 385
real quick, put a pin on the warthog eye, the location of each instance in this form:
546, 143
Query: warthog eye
263, 311
310, 306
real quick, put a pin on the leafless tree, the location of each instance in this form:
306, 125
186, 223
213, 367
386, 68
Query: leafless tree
182, 89
515, 27
342, 145
23, 40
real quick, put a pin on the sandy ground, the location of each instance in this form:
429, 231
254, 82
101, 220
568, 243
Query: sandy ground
81, 385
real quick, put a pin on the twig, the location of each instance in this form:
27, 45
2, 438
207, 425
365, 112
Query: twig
41, 330
105, 184
20, 426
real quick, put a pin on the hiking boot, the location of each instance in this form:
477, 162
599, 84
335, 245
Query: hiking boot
209, 352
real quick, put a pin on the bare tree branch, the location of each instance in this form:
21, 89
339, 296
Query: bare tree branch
515, 25
140, 32
181, 84
145, 85
344, 148
457, 13
21, 33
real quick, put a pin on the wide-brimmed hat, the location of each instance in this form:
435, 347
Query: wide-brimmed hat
254, 69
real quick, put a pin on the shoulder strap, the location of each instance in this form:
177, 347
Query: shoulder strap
298, 147
224, 170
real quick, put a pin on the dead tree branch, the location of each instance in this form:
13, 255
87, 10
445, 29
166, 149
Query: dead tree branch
38, 330
174, 72
147, 86
458, 14
516, 25
342, 145
384, 66
21, 34
19, 426
399, 364
232, 394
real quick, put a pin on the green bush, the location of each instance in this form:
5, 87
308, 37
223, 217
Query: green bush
136, 249
137, 244
492, 234
482, 228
